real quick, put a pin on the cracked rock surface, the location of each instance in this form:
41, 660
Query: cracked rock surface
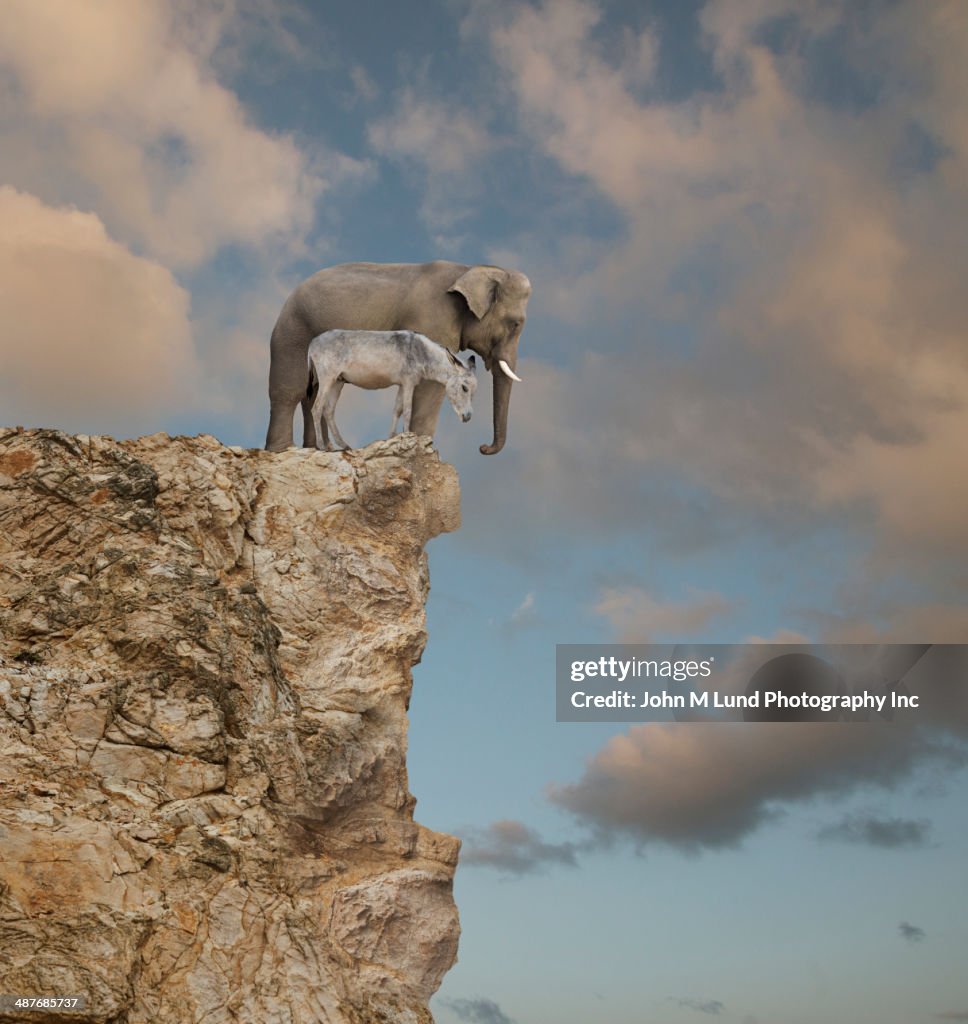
205, 660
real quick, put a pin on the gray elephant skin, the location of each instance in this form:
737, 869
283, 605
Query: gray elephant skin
481, 308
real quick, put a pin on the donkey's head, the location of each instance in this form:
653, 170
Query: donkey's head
461, 385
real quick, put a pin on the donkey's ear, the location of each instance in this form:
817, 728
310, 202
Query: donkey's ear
453, 358
472, 364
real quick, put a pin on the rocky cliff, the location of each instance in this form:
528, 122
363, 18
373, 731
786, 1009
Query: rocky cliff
205, 660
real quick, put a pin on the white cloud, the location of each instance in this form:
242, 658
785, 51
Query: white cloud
440, 136
130, 119
94, 337
121, 109
525, 615
638, 617
441, 141
825, 288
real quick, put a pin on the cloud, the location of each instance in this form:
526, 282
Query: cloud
936, 622
702, 785
638, 616
439, 141
365, 89
525, 614
707, 786
512, 847
122, 115
788, 295
250, 37
430, 132
478, 1011
112, 107
911, 932
887, 833
94, 337
525, 609
713, 1007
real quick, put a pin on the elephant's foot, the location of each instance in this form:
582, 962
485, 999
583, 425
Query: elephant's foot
278, 440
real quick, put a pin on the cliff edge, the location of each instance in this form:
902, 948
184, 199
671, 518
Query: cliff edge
205, 659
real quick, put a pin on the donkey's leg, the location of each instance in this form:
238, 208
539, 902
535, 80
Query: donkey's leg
406, 394
330, 409
320, 437
397, 410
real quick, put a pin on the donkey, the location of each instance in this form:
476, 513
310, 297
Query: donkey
380, 359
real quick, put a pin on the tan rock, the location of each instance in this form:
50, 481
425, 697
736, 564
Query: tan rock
205, 661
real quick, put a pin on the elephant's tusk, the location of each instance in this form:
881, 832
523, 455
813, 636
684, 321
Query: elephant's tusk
507, 369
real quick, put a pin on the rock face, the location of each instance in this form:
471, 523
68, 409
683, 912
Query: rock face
205, 661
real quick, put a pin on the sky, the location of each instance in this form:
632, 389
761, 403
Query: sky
743, 417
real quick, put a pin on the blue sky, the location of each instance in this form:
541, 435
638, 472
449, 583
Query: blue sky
743, 416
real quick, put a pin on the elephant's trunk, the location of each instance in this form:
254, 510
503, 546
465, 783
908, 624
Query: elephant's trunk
502, 400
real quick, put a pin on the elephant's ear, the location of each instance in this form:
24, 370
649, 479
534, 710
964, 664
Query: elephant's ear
479, 287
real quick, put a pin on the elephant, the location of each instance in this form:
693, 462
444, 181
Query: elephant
481, 308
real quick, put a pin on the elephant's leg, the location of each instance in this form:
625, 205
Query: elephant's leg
288, 380
397, 411
279, 434
427, 398
329, 409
